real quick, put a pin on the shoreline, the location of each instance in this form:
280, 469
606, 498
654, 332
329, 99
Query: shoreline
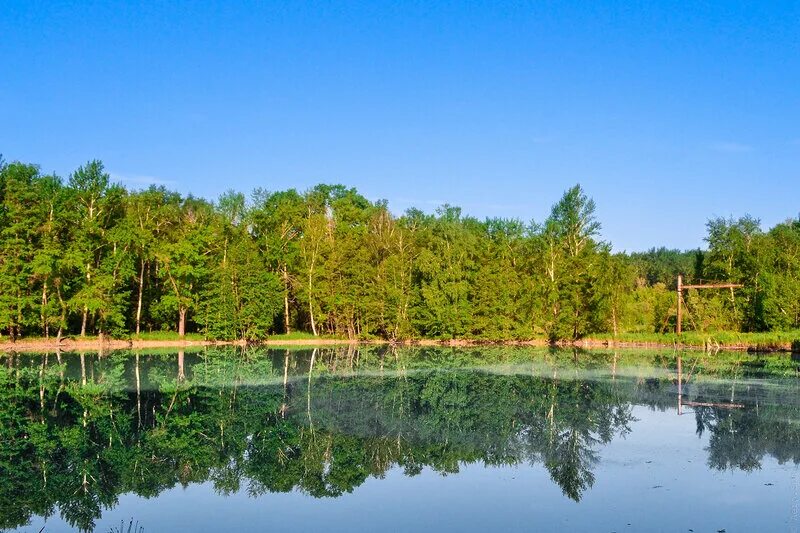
72, 344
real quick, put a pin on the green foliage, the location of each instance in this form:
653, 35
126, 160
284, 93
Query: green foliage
19, 220
661, 265
91, 258
242, 296
568, 262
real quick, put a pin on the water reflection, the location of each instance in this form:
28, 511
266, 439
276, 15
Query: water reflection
79, 430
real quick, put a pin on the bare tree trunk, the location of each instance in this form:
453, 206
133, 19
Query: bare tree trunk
310, 297
311, 306
83, 322
85, 308
182, 322
45, 325
63, 316
286, 300
139, 303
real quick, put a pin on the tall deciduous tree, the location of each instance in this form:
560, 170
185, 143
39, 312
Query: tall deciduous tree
183, 256
277, 226
566, 242
149, 214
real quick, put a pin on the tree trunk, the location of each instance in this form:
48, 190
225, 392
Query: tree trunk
139, 303
182, 322
286, 320
311, 306
83, 322
85, 308
311, 312
614, 318
310, 298
45, 325
19, 314
63, 316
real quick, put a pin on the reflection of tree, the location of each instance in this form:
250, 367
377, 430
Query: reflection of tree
579, 418
569, 461
740, 438
77, 431
442, 419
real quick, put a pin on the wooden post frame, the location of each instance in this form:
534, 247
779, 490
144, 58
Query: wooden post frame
682, 287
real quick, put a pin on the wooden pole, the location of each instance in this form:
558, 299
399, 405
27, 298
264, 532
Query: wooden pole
681, 288
714, 286
680, 297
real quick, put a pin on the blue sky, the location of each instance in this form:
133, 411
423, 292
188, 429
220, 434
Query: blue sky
666, 112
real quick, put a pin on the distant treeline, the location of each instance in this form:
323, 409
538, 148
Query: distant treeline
87, 256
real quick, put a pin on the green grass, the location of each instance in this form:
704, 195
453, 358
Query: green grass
300, 336
762, 340
166, 336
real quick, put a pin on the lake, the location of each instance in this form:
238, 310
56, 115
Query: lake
375, 438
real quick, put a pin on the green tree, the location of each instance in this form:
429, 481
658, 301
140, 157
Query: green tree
94, 254
243, 296
19, 221
148, 216
567, 263
277, 226
444, 272
183, 255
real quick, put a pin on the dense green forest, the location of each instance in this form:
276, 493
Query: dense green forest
85, 256
80, 430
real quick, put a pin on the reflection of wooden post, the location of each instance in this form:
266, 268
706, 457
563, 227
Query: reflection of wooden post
680, 297
680, 385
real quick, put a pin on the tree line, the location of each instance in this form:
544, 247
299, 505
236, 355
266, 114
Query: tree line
86, 256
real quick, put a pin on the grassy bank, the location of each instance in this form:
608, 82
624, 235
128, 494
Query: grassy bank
173, 336
155, 339
764, 341
725, 340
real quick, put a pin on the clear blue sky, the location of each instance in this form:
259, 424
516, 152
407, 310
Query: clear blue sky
666, 112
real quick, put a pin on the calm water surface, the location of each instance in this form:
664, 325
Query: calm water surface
399, 440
